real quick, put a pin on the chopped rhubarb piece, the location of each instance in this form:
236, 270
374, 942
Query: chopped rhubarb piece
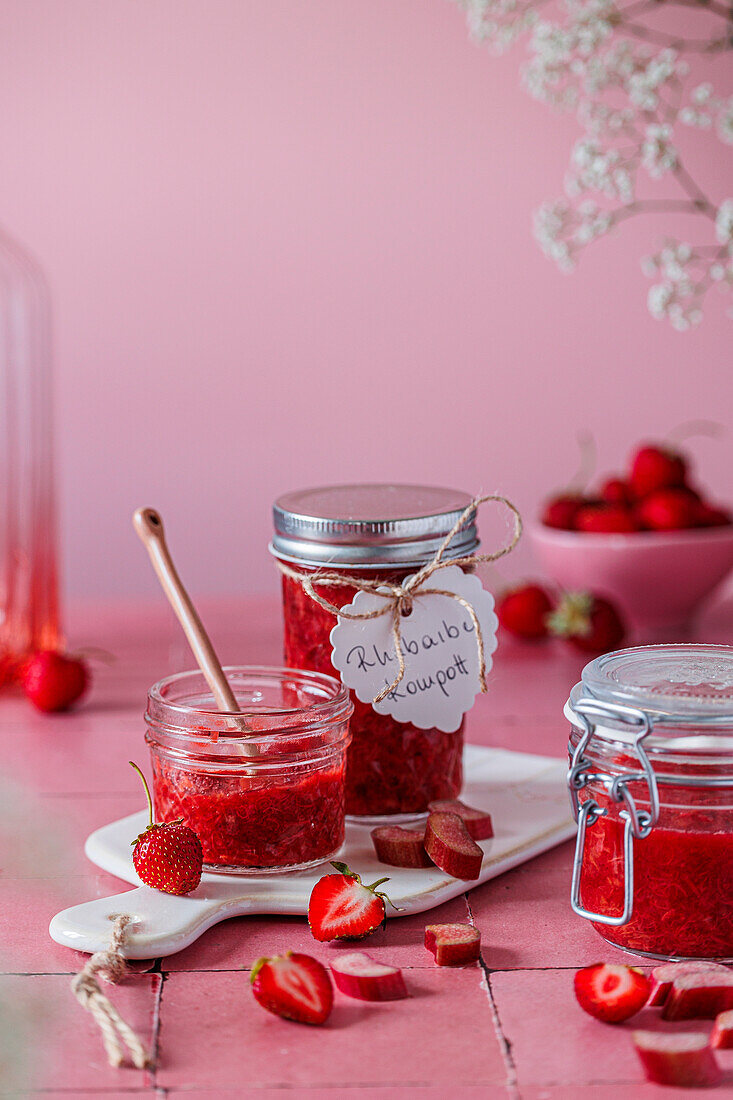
400, 847
478, 822
611, 992
722, 1036
663, 976
357, 975
451, 848
453, 944
685, 1059
699, 996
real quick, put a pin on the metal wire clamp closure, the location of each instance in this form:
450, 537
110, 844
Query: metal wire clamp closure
637, 823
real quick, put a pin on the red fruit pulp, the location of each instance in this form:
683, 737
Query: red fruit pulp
683, 882
392, 767
254, 821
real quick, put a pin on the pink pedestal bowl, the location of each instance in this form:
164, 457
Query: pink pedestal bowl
658, 580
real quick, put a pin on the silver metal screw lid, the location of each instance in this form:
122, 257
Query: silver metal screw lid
370, 526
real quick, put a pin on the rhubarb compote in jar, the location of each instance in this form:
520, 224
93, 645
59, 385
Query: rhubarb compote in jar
373, 532
651, 780
264, 788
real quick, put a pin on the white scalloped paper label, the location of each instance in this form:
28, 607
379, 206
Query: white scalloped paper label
440, 650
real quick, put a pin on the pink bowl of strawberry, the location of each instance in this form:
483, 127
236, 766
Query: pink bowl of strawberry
650, 541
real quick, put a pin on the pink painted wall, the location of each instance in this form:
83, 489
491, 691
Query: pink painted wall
290, 243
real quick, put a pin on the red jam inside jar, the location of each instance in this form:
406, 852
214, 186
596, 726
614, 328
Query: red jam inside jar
682, 905
271, 799
371, 532
392, 767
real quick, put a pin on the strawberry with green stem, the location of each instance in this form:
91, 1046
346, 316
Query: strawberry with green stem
167, 856
342, 907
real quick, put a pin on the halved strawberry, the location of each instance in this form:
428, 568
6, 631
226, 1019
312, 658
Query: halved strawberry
341, 907
294, 986
611, 992
684, 1059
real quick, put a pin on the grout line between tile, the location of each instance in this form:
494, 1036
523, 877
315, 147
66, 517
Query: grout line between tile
155, 1037
504, 1043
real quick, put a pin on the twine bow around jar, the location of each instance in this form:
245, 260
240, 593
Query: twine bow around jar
398, 598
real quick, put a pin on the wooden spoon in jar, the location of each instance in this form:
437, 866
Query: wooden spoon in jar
149, 526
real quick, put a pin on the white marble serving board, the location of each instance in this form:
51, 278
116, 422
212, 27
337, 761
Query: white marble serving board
526, 796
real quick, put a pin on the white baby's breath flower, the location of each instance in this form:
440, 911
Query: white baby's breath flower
724, 222
724, 122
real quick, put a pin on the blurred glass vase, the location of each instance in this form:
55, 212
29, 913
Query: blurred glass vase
29, 616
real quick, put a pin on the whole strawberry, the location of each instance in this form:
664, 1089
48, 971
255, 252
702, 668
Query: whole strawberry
669, 510
523, 611
654, 467
53, 681
616, 491
589, 623
605, 519
168, 856
560, 511
341, 907
294, 986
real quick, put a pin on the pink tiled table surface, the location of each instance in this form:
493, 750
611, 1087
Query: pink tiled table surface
508, 1027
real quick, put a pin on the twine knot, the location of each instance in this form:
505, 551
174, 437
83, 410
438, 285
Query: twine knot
110, 964
399, 598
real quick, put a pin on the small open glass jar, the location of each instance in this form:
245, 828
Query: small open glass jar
651, 781
266, 797
383, 532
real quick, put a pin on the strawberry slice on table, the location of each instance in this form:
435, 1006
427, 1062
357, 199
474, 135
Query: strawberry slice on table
294, 986
611, 992
342, 907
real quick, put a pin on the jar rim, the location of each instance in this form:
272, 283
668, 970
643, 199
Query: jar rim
680, 684
184, 702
